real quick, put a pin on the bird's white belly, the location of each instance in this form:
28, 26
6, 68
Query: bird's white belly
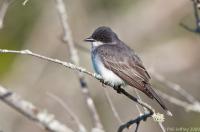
107, 74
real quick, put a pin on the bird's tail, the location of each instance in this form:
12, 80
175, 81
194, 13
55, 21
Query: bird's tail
152, 94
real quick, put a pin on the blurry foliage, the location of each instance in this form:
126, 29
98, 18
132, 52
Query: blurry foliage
18, 23
111, 6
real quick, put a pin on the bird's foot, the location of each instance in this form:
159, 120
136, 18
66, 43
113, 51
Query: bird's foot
118, 89
104, 82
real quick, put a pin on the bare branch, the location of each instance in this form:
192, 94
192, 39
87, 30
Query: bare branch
63, 63
67, 37
67, 34
195, 106
3, 10
25, 2
160, 123
162, 127
112, 107
74, 67
138, 108
68, 110
140, 117
186, 27
26, 108
196, 6
135, 121
176, 87
196, 14
98, 77
192, 105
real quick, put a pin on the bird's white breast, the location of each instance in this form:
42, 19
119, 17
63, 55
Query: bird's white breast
107, 74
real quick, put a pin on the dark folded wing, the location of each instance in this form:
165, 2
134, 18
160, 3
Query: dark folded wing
126, 64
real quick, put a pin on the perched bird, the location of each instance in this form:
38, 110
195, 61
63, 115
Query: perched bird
118, 64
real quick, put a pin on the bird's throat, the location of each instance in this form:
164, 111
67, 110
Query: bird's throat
96, 44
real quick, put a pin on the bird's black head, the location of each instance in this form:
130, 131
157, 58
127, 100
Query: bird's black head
103, 34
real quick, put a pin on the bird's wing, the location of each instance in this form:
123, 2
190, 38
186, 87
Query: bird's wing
127, 65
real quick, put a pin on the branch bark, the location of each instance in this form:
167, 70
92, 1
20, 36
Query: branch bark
173, 86
3, 10
68, 40
196, 5
30, 111
115, 113
96, 76
73, 116
195, 106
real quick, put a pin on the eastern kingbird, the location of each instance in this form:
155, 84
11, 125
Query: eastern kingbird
118, 64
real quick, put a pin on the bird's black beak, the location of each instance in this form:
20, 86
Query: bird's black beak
89, 39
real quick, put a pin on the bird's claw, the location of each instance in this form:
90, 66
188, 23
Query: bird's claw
118, 89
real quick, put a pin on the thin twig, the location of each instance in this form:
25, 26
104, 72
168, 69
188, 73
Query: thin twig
67, 38
140, 117
3, 10
138, 108
81, 127
174, 86
63, 63
195, 106
25, 2
135, 121
186, 27
26, 108
196, 15
162, 127
116, 115
67, 34
80, 69
160, 123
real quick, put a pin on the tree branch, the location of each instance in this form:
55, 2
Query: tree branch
195, 106
140, 117
25, 2
67, 38
197, 20
192, 105
186, 27
81, 127
26, 108
98, 77
116, 115
3, 10
173, 86
56, 61
196, 15
135, 121
162, 126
